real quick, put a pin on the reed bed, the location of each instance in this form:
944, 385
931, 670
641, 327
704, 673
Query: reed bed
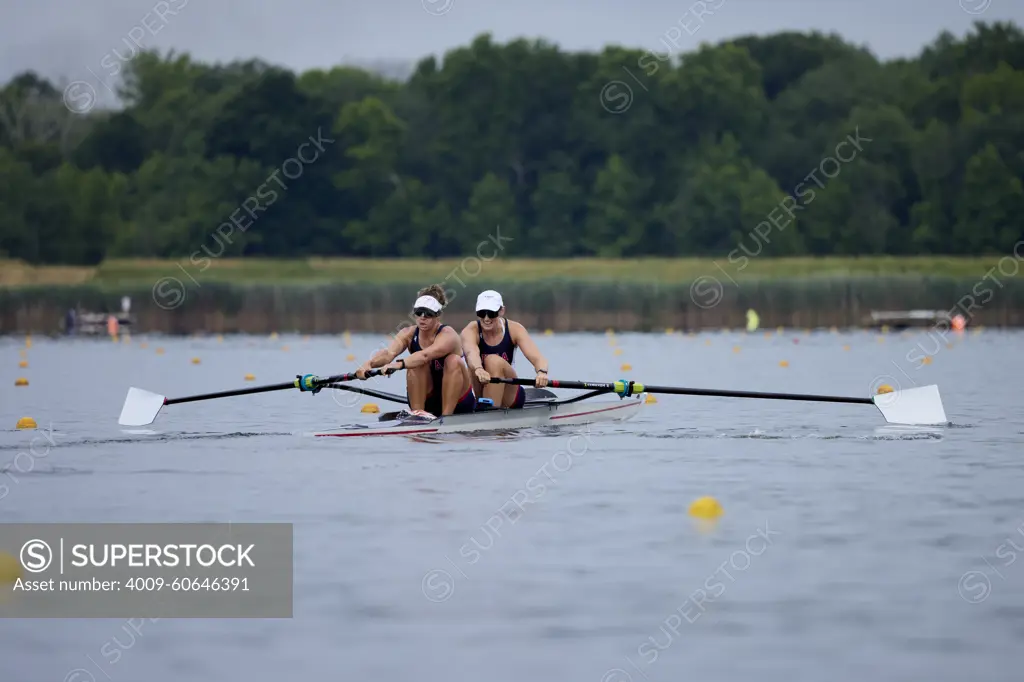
561, 304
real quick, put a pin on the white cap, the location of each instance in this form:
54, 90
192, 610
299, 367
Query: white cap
428, 302
489, 300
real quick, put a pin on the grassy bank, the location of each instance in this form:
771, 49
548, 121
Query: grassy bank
137, 272
568, 304
332, 295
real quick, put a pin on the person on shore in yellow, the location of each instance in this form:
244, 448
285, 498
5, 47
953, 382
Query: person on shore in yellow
490, 344
436, 377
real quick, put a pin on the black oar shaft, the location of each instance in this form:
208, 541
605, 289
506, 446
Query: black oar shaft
262, 389
673, 390
228, 394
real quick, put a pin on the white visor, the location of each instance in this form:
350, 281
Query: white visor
428, 302
489, 300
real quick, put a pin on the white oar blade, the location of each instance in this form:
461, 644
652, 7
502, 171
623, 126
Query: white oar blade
919, 406
140, 407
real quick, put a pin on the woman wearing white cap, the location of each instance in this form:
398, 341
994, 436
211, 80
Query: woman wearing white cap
437, 379
490, 344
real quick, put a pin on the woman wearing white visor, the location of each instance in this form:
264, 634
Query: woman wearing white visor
437, 379
490, 343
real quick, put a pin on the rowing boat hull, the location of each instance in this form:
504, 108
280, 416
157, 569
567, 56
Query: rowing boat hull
554, 414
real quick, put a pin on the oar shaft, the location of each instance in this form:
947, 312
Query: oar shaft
228, 394
673, 390
264, 389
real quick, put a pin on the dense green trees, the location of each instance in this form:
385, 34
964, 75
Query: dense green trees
620, 154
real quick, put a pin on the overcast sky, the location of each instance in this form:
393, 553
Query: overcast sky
74, 39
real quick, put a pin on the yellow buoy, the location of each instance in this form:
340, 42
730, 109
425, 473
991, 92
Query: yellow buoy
834, 330
753, 321
28, 342
885, 329
159, 351
618, 351
10, 568
881, 339
609, 331
250, 377
706, 508
370, 408
626, 367
195, 361
26, 423
884, 388
21, 381
273, 335
735, 349
670, 330
220, 338
650, 399
707, 342
783, 363
350, 357
23, 363
779, 330
548, 332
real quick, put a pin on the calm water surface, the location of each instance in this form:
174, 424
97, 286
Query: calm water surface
847, 550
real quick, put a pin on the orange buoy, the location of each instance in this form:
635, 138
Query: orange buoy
959, 323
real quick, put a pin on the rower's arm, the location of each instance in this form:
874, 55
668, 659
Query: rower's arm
471, 347
398, 345
522, 339
447, 342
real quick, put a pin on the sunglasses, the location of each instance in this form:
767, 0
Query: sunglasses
424, 312
489, 314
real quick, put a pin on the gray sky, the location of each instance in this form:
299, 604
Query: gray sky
74, 40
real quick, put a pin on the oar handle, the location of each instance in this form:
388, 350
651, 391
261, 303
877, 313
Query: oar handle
634, 387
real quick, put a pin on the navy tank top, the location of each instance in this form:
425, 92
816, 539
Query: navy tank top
505, 348
436, 365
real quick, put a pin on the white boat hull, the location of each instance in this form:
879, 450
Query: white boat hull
531, 416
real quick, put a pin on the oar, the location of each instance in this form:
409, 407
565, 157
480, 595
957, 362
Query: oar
141, 407
383, 395
920, 406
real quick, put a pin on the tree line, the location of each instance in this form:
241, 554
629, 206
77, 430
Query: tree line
787, 144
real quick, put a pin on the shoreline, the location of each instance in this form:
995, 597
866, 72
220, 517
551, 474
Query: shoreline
562, 305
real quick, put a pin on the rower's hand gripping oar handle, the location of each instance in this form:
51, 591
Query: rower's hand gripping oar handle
314, 384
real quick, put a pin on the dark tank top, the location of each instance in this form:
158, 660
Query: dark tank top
505, 348
436, 365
